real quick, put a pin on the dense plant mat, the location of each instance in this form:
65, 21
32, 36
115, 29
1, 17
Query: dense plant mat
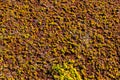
59, 39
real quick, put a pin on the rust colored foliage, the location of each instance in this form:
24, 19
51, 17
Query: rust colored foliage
59, 39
